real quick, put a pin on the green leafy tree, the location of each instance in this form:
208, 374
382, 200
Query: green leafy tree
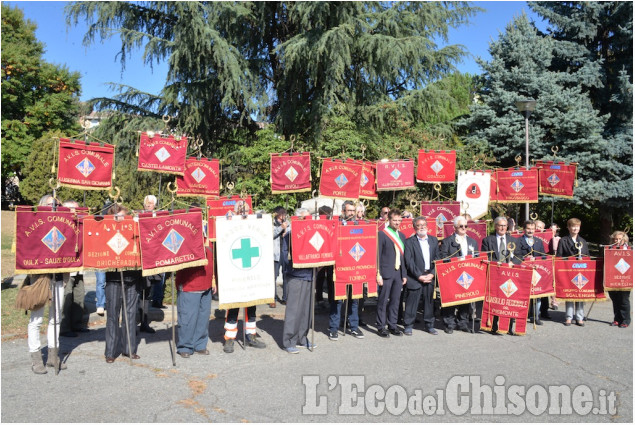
288, 63
36, 96
522, 67
596, 41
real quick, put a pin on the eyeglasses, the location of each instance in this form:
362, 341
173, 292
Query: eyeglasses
462, 226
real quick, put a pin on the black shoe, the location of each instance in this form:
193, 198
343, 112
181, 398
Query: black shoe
465, 329
383, 333
146, 328
545, 315
432, 331
81, 330
69, 334
362, 323
334, 335
448, 330
396, 332
228, 346
255, 342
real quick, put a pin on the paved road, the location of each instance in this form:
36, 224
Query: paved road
267, 385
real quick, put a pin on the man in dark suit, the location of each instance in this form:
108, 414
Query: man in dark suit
498, 249
391, 274
458, 244
569, 246
420, 252
530, 247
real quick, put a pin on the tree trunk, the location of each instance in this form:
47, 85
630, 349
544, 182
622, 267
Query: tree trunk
606, 224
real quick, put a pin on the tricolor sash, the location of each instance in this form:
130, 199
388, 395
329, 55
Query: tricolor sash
171, 241
313, 242
436, 166
356, 260
111, 244
244, 257
557, 178
461, 281
618, 269
86, 166
201, 178
394, 237
162, 154
340, 179
542, 281
395, 175
579, 279
508, 291
517, 185
290, 172
47, 241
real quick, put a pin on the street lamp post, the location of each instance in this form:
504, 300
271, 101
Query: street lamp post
526, 107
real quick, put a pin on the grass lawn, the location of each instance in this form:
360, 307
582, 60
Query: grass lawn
14, 321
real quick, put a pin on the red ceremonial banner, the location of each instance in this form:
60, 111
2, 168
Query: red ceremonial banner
436, 166
86, 166
545, 236
313, 242
223, 205
395, 175
557, 178
441, 212
111, 244
579, 279
542, 281
290, 172
162, 154
618, 269
508, 291
356, 260
47, 241
477, 230
493, 186
171, 241
201, 178
340, 179
407, 227
461, 281
517, 185
367, 182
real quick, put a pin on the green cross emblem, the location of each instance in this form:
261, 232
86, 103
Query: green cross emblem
245, 253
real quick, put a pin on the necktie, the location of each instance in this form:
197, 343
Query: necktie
501, 248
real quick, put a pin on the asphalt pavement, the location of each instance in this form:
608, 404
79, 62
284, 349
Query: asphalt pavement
419, 378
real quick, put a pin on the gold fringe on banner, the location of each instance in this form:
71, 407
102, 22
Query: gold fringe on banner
278, 192
75, 186
45, 271
174, 268
245, 304
582, 300
310, 266
173, 173
471, 300
548, 294
617, 289
555, 196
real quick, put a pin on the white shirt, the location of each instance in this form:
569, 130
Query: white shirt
425, 251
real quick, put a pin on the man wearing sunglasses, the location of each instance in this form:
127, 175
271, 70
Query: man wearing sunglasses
458, 244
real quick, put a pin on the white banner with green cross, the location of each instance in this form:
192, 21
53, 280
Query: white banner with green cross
244, 254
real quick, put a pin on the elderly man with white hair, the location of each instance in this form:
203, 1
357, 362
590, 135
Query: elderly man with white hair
458, 244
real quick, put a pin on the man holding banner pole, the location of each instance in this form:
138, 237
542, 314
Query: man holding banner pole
573, 245
458, 244
527, 246
297, 315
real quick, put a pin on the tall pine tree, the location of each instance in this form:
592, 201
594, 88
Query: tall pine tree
289, 63
522, 67
596, 39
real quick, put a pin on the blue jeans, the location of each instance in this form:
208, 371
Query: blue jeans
334, 316
194, 309
100, 288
